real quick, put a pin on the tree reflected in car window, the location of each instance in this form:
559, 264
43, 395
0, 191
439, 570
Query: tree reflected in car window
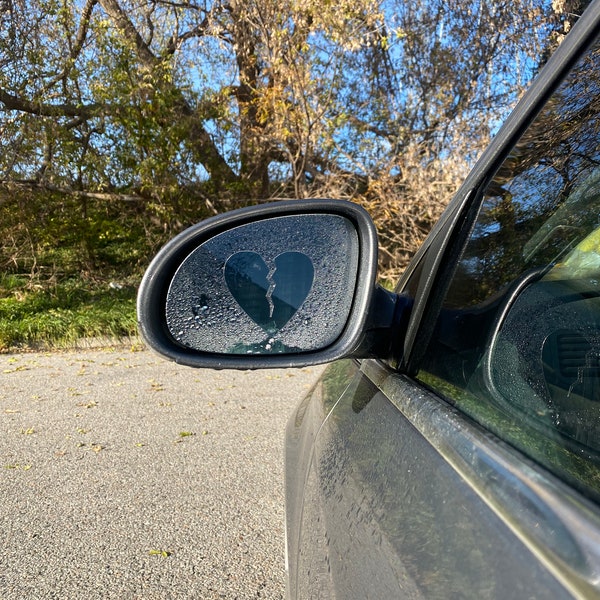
517, 343
543, 199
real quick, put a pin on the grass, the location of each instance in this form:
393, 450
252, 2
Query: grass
58, 257
57, 317
59, 253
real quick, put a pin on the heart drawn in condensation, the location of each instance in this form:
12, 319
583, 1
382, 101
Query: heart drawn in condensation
269, 294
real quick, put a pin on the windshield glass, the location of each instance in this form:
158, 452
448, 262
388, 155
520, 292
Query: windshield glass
517, 341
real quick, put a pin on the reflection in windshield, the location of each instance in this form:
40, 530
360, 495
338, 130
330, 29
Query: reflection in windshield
516, 344
574, 219
581, 262
545, 199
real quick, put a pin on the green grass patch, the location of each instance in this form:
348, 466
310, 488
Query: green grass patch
60, 316
59, 255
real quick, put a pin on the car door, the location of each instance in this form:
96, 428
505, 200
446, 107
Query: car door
467, 466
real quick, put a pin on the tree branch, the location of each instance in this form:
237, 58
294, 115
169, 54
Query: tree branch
122, 21
201, 141
83, 28
12, 102
67, 191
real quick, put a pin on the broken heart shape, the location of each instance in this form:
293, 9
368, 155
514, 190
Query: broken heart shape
270, 296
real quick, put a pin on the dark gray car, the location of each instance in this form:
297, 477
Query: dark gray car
452, 450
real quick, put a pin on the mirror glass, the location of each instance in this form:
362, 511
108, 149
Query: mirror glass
280, 285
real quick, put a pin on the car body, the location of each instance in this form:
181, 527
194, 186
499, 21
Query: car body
452, 450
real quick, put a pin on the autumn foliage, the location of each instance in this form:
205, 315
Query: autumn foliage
122, 122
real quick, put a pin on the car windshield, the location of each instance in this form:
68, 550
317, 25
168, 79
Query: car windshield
517, 341
577, 216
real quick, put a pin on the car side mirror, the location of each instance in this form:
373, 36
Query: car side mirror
282, 284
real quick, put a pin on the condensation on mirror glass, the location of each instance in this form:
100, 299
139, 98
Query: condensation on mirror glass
281, 285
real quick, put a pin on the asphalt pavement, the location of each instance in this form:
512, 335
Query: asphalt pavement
129, 477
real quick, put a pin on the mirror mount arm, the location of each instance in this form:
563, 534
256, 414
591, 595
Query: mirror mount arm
386, 324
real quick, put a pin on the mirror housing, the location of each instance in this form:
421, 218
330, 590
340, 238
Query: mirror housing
283, 284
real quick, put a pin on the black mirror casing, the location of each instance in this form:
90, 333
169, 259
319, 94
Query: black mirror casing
300, 274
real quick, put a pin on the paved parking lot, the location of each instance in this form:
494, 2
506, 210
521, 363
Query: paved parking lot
126, 476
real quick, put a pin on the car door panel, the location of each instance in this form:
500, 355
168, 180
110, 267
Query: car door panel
385, 515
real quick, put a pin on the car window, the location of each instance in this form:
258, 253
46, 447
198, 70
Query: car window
517, 342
